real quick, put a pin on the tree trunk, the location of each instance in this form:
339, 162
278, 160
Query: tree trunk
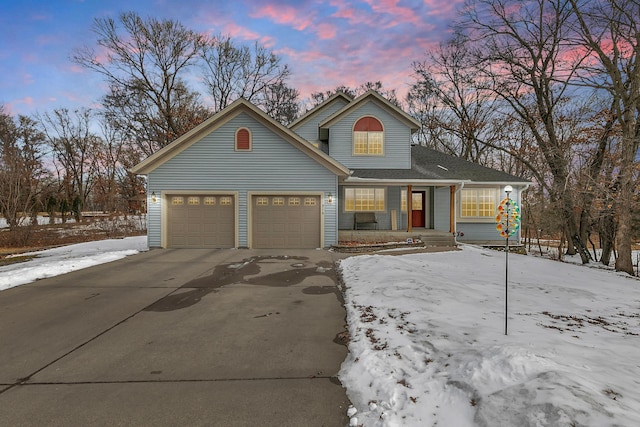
607, 234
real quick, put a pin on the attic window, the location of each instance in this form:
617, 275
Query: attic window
243, 140
368, 137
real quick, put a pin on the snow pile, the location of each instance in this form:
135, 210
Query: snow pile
428, 345
65, 259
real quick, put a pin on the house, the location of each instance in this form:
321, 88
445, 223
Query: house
241, 179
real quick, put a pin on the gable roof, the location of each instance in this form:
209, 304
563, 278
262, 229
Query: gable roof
431, 165
372, 96
324, 104
222, 117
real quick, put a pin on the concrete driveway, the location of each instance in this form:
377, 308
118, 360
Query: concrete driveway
177, 337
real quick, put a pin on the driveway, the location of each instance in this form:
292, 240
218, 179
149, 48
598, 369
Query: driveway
177, 337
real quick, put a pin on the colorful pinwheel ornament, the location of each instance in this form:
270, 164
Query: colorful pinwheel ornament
508, 218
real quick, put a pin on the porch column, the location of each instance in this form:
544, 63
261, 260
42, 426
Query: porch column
452, 209
409, 208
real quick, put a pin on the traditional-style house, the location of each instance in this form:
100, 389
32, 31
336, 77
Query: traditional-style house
241, 179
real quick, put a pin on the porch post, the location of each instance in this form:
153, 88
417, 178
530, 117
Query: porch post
452, 209
409, 208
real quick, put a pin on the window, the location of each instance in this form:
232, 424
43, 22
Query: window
177, 200
364, 199
309, 201
416, 201
226, 201
368, 137
278, 201
243, 140
478, 202
262, 201
294, 201
210, 201
194, 201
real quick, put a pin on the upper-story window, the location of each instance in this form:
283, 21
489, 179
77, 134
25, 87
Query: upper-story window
368, 137
243, 139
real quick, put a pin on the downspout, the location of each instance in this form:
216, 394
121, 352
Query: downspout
453, 214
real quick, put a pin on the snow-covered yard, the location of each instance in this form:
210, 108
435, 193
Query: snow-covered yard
428, 346
427, 336
52, 262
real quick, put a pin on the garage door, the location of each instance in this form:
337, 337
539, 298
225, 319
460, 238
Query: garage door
286, 221
201, 221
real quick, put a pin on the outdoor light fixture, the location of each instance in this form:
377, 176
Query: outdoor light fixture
508, 222
330, 198
153, 197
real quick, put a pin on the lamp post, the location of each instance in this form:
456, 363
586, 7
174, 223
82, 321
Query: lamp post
508, 189
508, 220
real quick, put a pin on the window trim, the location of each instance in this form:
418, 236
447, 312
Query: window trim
250, 139
478, 218
353, 138
375, 201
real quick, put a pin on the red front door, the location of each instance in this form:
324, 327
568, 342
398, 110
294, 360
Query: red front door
417, 208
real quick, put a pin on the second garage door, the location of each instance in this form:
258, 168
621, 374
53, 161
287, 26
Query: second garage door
286, 221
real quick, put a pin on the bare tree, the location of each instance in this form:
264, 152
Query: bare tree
21, 170
134, 114
522, 47
318, 98
76, 151
145, 64
610, 30
232, 71
456, 110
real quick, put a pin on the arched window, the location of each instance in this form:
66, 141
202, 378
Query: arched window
368, 137
243, 139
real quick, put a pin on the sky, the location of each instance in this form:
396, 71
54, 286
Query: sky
326, 43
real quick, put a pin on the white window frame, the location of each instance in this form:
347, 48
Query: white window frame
369, 135
490, 197
250, 140
379, 199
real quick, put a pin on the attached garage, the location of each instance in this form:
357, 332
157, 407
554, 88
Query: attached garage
200, 221
286, 221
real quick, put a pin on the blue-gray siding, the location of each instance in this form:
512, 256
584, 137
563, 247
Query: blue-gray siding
485, 232
397, 140
393, 202
212, 164
441, 208
309, 128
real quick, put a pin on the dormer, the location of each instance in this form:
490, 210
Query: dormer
307, 125
370, 133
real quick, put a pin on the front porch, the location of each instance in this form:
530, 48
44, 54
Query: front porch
424, 236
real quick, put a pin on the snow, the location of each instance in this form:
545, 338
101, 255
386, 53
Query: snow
52, 262
428, 346
427, 336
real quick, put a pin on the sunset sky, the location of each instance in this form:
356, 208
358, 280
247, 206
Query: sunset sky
326, 43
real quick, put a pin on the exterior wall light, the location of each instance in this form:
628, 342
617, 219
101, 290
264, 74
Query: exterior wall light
154, 199
330, 198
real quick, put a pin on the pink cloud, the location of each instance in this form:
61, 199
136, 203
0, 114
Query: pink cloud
399, 14
47, 40
27, 100
76, 69
287, 15
326, 31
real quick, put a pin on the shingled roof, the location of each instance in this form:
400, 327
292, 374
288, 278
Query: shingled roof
429, 164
